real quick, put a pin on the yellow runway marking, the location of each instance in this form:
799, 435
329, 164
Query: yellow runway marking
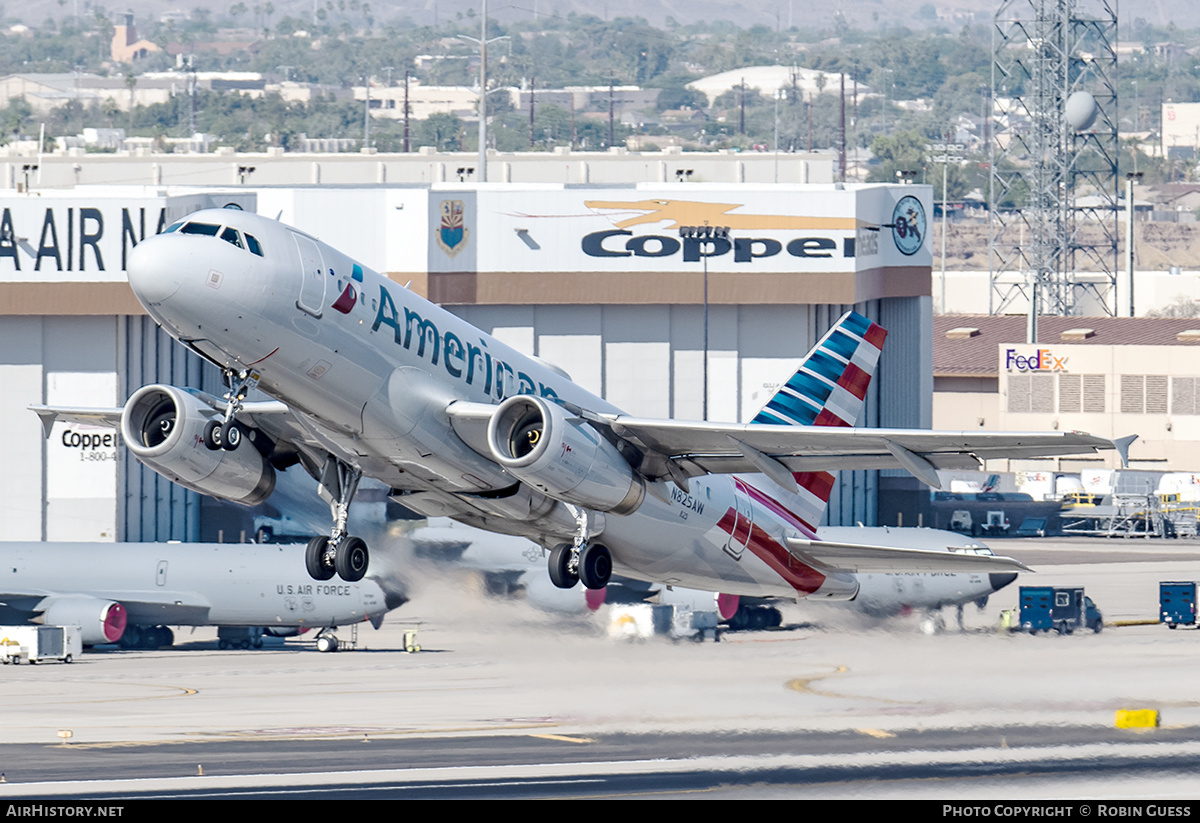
804, 686
562, 738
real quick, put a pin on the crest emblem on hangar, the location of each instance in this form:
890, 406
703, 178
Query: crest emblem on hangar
452, 233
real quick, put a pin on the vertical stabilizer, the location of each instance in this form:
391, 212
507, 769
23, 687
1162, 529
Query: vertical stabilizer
827, 390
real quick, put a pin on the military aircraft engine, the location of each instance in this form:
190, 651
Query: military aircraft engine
99, 621
562, 456
164, 427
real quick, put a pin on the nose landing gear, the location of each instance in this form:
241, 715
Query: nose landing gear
224, 432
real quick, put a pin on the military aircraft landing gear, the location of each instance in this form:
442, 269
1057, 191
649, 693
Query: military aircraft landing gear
339, 553
581, 561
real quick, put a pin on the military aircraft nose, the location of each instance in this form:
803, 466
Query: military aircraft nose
156, 268
999, 580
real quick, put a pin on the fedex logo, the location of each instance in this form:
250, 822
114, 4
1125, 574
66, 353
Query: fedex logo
1041, 360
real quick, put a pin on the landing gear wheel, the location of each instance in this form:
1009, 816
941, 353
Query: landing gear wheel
212, 435
595, 566
351, 559
314, 559
560, 573
231, 435
327, 643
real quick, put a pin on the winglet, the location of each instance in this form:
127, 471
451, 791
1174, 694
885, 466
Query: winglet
47, 416
1122, 445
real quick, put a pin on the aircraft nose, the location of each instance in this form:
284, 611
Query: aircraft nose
999, 580
156, 268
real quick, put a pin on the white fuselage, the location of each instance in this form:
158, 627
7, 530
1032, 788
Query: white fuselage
369, 368
192, 584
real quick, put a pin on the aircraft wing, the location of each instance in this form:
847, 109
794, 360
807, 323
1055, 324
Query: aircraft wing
49, 415
862, 559
697, 447
167, 607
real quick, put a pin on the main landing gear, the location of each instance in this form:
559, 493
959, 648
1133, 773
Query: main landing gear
339, 553
580, 561
225, 432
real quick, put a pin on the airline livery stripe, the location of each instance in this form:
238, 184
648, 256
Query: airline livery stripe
765, 500
828, 418
819, 483
855, 381
875, 335
841, 344
858, 324
799, 413
800, 576
825, 365
809, 386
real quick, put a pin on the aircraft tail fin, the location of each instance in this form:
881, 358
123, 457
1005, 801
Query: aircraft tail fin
828, 389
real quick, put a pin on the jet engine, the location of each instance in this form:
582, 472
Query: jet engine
564, 457
164, 427
99, 621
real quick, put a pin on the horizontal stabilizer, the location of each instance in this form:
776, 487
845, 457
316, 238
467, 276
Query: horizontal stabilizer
856, 558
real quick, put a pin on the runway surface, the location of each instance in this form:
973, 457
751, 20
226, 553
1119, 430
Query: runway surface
505, 701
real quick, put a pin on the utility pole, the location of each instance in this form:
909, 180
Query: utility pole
532, 83
367, 114
612, 140
481, 166
406, 111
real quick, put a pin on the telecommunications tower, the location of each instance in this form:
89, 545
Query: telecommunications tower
1053, 188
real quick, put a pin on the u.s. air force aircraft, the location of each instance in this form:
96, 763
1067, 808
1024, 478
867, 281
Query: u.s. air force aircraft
128, 593
369, 378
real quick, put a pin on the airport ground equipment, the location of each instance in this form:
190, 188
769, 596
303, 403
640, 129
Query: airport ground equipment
1177, 603
1132, 515
32, 644
1058, 608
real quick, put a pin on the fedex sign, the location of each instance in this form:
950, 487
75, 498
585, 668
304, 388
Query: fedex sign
1040, 360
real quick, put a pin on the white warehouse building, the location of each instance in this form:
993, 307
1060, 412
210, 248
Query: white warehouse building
597, 279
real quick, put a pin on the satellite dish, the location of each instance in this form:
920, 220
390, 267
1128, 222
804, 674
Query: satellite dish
1081, 110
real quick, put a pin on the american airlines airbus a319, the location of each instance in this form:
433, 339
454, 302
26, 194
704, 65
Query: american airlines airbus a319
369, 378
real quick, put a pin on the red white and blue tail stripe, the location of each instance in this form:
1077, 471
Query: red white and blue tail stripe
829, 387
827, 390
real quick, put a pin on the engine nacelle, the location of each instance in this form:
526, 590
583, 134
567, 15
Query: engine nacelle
563, 457
164, 427
99, 621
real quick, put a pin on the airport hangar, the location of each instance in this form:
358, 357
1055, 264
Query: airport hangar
596, 279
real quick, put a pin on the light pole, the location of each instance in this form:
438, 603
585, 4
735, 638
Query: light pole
483, 44
780, 94
695, 238
1126, 294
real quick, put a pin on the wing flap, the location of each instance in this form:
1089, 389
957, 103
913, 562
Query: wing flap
863, 559
726, 447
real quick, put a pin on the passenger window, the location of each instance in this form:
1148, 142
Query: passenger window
230, 235
206, 229
253, 245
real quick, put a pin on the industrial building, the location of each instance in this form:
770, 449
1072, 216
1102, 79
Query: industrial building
623, 286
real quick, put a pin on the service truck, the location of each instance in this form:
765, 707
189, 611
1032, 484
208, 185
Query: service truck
1058, 608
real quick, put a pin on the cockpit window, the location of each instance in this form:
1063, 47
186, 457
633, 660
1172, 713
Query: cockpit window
207, 229
230, 235
173, 227
253, 245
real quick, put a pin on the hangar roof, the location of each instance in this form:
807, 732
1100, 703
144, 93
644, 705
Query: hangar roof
964, 345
